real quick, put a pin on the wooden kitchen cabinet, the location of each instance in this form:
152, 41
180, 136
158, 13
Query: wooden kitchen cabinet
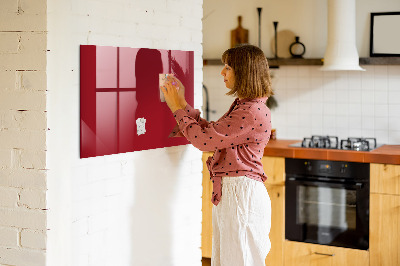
274, 168
305, 254
385, 178
277, 233
385, 215
384, 236
206, 225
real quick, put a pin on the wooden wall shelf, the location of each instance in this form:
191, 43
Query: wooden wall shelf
273, 63
380, 61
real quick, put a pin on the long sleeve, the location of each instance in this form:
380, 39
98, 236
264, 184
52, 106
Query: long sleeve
231, 130
195, 114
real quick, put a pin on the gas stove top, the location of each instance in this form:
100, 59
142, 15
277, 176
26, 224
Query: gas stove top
332, 142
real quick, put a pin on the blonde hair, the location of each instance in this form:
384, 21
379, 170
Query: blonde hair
250, 66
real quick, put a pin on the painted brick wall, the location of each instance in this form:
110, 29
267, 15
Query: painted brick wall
140, 208
23, 132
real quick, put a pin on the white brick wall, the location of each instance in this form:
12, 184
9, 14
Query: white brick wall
23, 132
9, 237
140, 208
23, 178
33, 239
111, 210
11, 256
23, 218
23, 15
8, 197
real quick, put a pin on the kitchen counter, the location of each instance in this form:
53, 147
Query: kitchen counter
389, 154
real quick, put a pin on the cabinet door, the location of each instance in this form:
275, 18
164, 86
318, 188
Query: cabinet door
385, 178
274, 168
277, 233
384, 230
304, 254
206, 232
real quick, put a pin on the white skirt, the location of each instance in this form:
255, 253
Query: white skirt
241, 223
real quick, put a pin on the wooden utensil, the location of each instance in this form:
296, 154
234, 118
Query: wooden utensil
239, 35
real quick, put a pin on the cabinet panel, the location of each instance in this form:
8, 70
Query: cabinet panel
385, 230
304, 254
274, 168
206, 232
277, 233
385, 178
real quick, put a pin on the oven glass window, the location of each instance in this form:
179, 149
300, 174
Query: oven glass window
326, 207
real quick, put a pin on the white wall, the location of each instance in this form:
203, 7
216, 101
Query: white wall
23, 133
140, 208
343, 104
311, 102
306, 19
220, 17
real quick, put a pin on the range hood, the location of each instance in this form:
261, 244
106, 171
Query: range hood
341, 51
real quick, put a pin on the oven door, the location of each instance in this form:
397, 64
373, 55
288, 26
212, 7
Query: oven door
327, 213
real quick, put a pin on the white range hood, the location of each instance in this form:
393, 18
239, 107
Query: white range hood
341, 51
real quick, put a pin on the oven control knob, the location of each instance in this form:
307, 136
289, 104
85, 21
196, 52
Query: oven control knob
343, 168
308, 166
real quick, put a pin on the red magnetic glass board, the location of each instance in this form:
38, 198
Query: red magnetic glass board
119, 90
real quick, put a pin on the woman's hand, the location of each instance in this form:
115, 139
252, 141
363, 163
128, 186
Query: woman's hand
181, 91
174, 94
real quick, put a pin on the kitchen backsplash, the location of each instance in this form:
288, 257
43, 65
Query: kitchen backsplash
314, 102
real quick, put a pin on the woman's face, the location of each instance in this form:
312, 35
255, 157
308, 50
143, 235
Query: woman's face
229, 76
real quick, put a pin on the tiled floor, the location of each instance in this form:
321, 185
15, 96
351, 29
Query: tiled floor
206, 261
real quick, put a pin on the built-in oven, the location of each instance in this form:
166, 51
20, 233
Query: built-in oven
327, 202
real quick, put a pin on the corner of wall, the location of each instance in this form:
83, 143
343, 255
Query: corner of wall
23, 126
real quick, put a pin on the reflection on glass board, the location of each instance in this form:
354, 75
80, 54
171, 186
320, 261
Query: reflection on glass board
121, 106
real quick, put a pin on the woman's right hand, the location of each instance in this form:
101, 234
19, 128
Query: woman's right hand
181, 90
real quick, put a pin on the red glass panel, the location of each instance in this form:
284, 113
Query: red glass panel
121, 110
106, 67
106, 123
127, 78
127, 121
88, 100
165, 58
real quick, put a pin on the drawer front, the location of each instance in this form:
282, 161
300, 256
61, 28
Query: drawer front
297, 253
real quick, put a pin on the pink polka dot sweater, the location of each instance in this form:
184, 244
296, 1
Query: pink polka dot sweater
238, 139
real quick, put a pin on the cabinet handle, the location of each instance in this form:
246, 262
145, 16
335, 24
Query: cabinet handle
324, 254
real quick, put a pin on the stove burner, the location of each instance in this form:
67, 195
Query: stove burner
332, 142
358, 144
328, 142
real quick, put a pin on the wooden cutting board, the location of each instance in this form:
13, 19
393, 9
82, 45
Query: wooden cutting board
239, 35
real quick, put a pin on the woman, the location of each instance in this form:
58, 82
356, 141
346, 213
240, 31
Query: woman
242, 208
